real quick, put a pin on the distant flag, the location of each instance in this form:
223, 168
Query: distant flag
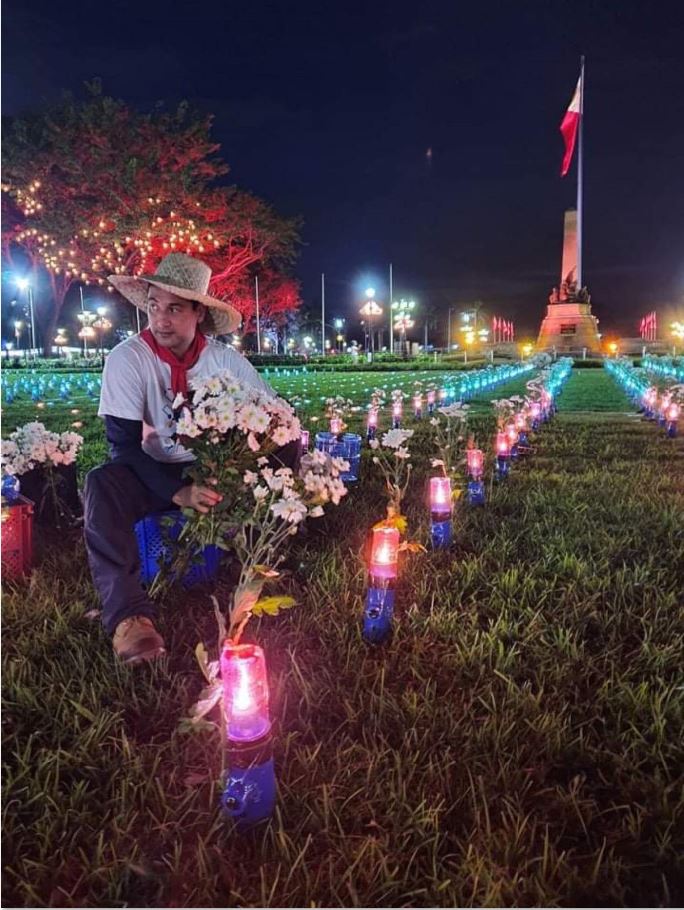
569, 127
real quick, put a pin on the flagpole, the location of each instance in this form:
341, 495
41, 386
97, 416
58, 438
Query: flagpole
323, 313
580, 178
391, 299
258, 321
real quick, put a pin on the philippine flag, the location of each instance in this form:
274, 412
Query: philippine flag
569, 127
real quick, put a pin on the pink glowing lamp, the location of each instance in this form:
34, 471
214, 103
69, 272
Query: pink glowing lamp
245, 692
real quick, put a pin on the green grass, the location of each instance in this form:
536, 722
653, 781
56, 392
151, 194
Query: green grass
518, 743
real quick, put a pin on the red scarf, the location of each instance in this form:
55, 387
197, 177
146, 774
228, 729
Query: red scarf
179, 365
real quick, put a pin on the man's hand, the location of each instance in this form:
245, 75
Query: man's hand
197, 497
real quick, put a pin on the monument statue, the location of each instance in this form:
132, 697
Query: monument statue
569, 324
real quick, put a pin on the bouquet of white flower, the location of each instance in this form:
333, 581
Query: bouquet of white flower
449, 436
391, 454
235, 434
33, 445
44, 463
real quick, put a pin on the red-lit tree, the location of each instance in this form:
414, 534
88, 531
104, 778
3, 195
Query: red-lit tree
279, 295
98, 188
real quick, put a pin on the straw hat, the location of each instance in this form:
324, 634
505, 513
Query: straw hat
187, 278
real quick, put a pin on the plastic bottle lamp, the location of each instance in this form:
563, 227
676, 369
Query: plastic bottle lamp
535, 414
512, 437
384, 564
431, 397
475, 460
650, 401
502, 445
521, 427
397, 411
372, 423
384, 559
503, 454
336, 425
440, 511
305, 440
673, 411
250, 791
418, 406
245, 692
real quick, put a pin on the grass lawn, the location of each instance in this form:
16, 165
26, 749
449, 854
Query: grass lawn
518, 743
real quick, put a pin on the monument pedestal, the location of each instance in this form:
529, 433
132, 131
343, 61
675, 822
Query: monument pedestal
569, 326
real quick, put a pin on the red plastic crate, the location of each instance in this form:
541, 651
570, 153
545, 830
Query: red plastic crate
17, 538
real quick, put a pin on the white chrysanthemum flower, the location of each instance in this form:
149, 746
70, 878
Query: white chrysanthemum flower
291, 510
393, 439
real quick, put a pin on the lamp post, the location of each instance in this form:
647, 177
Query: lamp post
18, 328
61, 340
102, 324
403, 319
25, 285
339, 329
468, 339
370, 309
86, 318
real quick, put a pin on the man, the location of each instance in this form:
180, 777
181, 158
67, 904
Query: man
141, 379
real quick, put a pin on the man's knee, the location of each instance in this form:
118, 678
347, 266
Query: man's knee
105, 482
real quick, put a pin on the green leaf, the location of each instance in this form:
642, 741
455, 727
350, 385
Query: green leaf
272, 605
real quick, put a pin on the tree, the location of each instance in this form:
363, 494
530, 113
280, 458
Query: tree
279, 295
97, 188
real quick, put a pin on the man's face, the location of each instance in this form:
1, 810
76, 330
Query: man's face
173, 320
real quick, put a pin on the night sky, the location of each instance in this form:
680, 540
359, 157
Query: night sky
327, 110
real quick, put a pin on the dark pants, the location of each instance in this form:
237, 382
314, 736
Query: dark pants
114, 499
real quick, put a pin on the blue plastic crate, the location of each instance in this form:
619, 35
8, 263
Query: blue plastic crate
347, 446
152, 535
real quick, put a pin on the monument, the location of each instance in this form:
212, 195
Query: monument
569, 324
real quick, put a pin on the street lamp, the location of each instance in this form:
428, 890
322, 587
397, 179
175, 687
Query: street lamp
18, 328
86, 318
102, 324
403, 318
61, 340
469, 339
370, 309
339, 327
25, 285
